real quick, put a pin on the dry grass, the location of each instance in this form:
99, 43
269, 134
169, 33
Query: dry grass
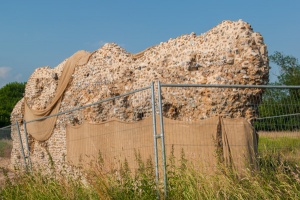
277, 134
278, 178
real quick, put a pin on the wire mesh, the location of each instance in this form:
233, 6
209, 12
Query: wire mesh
212, 125
5, 144
116, 131
204, 126
113, 142
5, 132
278, 124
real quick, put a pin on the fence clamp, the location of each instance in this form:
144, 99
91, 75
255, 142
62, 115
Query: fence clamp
158, 136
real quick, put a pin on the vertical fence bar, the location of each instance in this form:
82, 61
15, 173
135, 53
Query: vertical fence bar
21, 145
27, 145
162, 134
155, 139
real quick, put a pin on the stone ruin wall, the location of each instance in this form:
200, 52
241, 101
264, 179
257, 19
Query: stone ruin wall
230, 53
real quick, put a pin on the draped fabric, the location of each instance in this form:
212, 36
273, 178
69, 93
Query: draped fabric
205, 143
41, 130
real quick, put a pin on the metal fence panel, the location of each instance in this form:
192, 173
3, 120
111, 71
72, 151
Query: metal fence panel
5, 132
203, 125
208, 120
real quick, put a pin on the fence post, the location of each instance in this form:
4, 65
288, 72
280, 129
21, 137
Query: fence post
27, 145
21, 145
162, 135
155, 139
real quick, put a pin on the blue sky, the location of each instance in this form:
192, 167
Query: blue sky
37, 33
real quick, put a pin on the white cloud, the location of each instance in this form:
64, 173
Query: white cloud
4, 72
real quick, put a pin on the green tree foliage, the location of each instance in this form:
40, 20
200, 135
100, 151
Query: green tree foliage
279, 110
10, 94
289, 66
280, 107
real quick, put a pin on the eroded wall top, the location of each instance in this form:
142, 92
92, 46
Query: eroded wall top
230, 53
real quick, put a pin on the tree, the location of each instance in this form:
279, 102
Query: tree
289, 66
280, 107
10, 94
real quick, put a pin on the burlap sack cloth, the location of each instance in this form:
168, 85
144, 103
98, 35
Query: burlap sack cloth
205, 143
114, 140
42, 130
240, 144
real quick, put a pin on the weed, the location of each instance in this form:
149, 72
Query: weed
278, 178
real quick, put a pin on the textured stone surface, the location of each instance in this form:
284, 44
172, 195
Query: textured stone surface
230, 53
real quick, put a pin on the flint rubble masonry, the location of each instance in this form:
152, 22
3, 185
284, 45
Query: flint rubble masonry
230, 53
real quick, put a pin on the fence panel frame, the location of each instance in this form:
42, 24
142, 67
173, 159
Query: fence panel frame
156, 135
160, 93
21, 145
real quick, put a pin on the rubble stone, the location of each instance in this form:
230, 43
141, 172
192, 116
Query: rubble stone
230, 53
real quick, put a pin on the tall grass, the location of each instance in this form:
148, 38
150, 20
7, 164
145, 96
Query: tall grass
278, 178
42, 186
287, 148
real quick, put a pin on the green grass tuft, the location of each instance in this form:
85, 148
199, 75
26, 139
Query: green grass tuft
278, 178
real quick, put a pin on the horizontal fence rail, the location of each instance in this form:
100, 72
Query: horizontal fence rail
230, 86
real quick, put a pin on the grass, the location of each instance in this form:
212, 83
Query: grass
287, 148
41, 186
5, 148
283, 144
278, 178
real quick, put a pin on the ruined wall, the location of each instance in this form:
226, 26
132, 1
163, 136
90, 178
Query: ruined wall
230, 53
